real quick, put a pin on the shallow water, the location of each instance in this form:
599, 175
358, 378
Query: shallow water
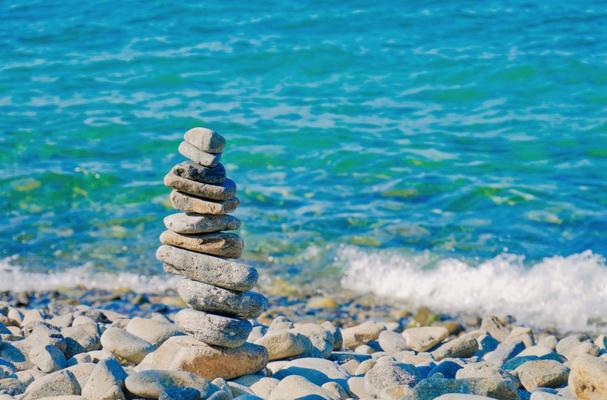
461, 130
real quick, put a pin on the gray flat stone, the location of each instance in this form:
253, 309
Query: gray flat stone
204, 297
424, 338
218, 191
542, 373
199, 156
461, 347
222, 244
208, 269
205, 139
197, 223
150, 330
214, 329
193, 204
196, 172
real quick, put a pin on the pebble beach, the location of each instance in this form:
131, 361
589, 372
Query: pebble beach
97, 344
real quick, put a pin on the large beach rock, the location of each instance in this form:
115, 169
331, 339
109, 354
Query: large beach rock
60, 383
495, 327
151, 383
205, 139
219, 191
150, 330
361, 334
198, 156
283, 344
316, 370
185, 353
387, 374
194, 223
542, 373
199, 173
223, 244
424, 338
106, 382
505, 384
125, 346
463, 346
208, 269
588, 378
392, 342
204, 297
214, 329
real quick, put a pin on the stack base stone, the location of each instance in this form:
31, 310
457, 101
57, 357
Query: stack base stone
185, 353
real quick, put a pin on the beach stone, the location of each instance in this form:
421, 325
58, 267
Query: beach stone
12, 387
205, 139
356, 387
60, 383
16, 354
195, 223
434, 387
188, 354
297, 387
152, 331
336, 390
264, 387
361, 334
351, 366
208, 269
549, 341
204, 297
151, 383
316, 370
336, 332
521, 334
460, 396
283, 344
384, 375
174, 393
62, 321
280, 323
460, 347
364, 367
588, 378
410, 357
424, 338
82, 372
48, 358
218, 191
495, 327
214, 329
320, 340
105, 382
124, 345
81, 338
447, 368
504, 352
192, 204
397, 392
223, 244
568, 343
196, 172
392, 342
364, 349
505, 384
542, 373
198, 156
584, 348
541, 395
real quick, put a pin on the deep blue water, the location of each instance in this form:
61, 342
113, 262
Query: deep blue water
467, 129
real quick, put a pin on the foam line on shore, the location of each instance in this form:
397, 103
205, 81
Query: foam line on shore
566, 293
15, 278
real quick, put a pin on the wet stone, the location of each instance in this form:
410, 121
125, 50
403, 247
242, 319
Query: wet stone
193, 204
196, 172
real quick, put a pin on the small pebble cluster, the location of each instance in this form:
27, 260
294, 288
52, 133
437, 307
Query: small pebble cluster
197, 247
67, 350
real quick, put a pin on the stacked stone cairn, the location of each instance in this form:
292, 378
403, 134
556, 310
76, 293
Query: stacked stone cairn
199, 246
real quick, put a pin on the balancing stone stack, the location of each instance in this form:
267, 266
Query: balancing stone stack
198, 246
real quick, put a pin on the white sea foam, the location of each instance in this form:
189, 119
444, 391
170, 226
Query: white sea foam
15, 278
566, 293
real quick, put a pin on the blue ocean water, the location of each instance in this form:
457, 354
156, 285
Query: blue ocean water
452, 130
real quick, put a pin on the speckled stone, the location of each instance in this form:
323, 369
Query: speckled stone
208, 269
214, 329
197, 223
219, 191
199, 156
193, 204
205, 139
204, 297
199, 173
223, 244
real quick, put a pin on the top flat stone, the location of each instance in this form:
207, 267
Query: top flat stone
196, 172
205, 139
199, 156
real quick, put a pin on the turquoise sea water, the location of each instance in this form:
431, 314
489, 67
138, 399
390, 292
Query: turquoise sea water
456, 129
